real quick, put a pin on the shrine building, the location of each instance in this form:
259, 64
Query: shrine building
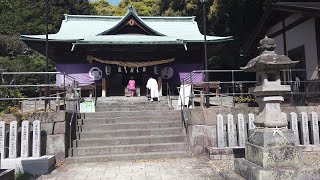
106, 51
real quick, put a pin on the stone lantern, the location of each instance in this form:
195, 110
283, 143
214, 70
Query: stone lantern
269, 90
271, 151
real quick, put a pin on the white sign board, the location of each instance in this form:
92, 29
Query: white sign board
184, 95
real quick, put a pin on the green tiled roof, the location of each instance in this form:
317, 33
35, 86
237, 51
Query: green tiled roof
86, 29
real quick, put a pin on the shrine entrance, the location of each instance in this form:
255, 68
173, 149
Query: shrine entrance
117, 84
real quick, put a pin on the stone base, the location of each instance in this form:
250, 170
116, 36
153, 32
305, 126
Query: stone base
271, 157
270, 137
7, 174
251, 171
34, 166
225, 153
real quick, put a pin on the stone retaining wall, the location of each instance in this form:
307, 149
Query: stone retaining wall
54, 133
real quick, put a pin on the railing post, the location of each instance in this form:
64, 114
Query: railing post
64, 91
183, 93
233, 89
15, 88
192, 94
291, 92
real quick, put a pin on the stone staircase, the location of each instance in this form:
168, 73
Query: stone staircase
129, 129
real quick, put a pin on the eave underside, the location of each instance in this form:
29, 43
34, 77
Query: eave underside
60, 52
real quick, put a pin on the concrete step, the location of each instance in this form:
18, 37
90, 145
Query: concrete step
128, 149
133, 108
129, 140
126, 157
126, 99
117, 120
129, 114
154, 103
109, 127
103, 109
131, 133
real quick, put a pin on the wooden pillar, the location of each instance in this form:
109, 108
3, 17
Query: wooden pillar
160, 85
104, 88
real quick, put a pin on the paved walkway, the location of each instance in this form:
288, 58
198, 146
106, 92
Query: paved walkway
168, 169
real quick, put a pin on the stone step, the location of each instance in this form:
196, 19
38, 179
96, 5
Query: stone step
131, 133
103, 109
128, 103
129, 114
127, 99
129, 140
127, 149
133, 106
108, 127
127, 157
117, 120
124, 103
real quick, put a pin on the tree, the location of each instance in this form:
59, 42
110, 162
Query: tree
103, 7
143, 7
28, 17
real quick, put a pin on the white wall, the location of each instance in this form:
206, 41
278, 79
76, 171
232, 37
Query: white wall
303, 34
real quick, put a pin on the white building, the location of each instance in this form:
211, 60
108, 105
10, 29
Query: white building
295, 26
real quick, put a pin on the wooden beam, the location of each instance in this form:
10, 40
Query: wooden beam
289, 27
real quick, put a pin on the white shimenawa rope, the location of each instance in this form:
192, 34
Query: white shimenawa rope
276, 130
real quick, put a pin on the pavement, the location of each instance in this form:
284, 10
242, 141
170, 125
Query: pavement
162, 169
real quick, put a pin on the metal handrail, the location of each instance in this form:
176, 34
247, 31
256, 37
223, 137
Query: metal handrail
312, 87
74, 114
21, 73
75, 105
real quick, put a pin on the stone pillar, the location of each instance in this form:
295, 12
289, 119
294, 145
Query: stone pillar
13, 140
2, 139
25, 131
36, 146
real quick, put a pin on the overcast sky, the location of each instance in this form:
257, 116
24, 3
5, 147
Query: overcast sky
113, 2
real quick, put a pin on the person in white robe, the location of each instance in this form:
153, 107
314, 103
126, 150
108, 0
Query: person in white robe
152, 85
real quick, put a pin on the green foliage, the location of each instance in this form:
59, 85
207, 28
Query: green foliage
29, 63
143, 7
28, 16
23, 176
103, 7
17, 113
244, 99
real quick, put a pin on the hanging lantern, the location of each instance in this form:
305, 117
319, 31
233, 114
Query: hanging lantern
125, 69
131, 70
137, 69
119, 69
155, 70
144, 69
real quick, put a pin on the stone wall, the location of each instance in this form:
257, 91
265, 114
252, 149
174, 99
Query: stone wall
54, 133
202, 123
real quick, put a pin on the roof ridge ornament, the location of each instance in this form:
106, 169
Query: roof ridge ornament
132, 9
